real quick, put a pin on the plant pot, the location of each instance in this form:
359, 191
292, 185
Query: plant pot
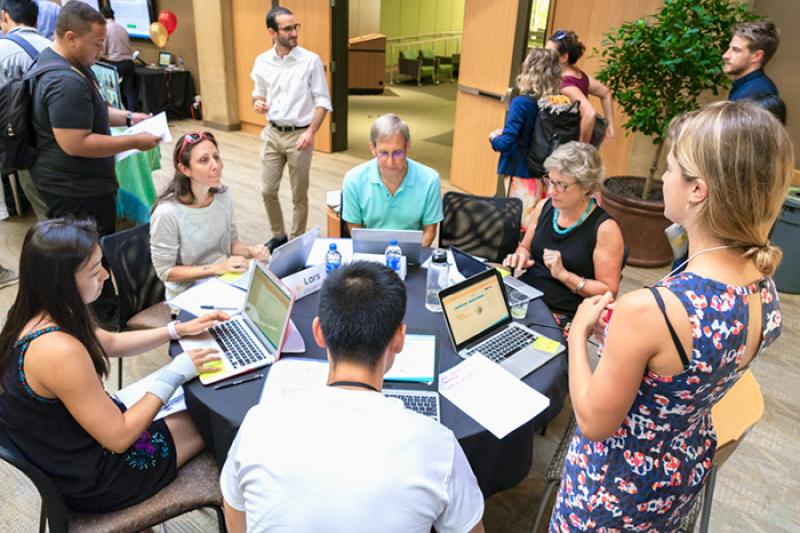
642, 221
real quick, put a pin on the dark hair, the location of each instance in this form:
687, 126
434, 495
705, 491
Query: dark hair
567, 43
760, 35
181, 185
274, 13
21, 11
53, 251
107, 12
772, 103
361, 305
78, 18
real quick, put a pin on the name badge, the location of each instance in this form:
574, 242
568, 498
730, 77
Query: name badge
306, 281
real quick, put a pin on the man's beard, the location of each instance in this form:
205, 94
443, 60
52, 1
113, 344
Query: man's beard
286, 43
733, 73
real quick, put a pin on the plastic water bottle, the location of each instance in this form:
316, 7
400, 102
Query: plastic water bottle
438, 279
393, 255
333, 259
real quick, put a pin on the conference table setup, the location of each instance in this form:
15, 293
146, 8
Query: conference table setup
498, 463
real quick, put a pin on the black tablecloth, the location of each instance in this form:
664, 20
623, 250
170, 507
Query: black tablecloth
498, 464
165, 90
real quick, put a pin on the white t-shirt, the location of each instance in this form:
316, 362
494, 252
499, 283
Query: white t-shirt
339, 460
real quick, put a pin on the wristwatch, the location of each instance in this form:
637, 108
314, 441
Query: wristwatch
129, 119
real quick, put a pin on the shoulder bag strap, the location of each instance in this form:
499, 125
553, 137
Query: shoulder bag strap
25, 45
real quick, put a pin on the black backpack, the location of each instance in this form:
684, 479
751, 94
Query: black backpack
558, 122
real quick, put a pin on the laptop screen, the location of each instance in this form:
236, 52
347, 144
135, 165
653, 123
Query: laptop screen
477, 306
268, 306
467, 265
417, 362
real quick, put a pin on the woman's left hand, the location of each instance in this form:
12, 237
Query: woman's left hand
200, 324
552, 260
496, 133
588, 314
259, 252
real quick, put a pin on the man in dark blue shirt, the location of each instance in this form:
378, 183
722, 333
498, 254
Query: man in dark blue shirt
750, 49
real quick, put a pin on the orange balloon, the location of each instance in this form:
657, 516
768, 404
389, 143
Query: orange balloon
158, 34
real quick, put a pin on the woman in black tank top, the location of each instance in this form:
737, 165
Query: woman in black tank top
572, 248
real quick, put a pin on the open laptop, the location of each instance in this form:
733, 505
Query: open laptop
414, 376
479, 321
291, 257
518, 292
252, 338
375, 241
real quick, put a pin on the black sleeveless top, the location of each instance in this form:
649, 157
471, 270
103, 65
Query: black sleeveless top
576, 247
91, 478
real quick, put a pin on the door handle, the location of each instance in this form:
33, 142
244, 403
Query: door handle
481, 92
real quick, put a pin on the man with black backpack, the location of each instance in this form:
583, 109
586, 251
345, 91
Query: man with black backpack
19, 48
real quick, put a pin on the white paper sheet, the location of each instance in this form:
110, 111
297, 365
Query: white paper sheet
289, 375
156, 125
491, 395
317, 255
135, 391
210, 292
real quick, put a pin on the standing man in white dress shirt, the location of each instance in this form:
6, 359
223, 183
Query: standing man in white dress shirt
291, 89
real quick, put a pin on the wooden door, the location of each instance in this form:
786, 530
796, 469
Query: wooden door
491, 51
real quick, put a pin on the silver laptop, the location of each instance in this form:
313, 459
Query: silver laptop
518, 292
414, 376
375, 241
479, 322
254, 337
291, 257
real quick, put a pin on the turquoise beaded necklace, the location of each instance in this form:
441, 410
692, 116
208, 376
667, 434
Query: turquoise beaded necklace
575, 225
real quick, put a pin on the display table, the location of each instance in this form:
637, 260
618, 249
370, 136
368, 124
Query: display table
137, 193
498, 464
165, 90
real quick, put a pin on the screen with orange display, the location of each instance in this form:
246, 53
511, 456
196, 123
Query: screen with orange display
476, 308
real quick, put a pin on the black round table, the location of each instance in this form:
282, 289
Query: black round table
498, 464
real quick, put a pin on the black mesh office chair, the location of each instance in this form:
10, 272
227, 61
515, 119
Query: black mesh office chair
141, 293
482, 226
196, 487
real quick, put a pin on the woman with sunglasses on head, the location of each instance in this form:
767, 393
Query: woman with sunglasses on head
578, 85
53, 358
192, 230
572, 248
645, 440
540, 76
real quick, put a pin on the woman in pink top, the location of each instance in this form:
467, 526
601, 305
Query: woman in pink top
578, 85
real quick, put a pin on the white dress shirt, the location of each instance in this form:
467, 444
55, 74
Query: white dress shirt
292, 85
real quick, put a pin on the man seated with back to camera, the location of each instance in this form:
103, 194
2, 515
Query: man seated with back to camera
392, 191
343, 457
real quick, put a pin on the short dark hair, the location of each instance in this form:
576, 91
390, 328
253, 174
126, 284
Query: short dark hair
107, 12
21, 11
361, 305
274, 13
78, 18
760, 35
772, 103
567, 42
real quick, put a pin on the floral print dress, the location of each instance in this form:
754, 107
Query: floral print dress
646, 476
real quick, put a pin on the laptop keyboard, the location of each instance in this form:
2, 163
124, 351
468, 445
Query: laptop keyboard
504, 344
424, 404
236, 343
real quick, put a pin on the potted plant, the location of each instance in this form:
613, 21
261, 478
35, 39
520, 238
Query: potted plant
658, 66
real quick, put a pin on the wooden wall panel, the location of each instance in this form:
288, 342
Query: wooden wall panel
487, 44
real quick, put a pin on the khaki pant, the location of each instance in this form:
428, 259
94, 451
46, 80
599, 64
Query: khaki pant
30, 190
278, 150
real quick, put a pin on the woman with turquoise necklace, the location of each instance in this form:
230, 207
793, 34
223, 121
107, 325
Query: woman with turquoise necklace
572, 248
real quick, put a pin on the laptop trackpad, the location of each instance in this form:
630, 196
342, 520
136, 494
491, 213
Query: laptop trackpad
525, 361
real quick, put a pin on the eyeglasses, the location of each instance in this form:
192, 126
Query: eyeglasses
557, 185
397, 154
290, 29
194, 138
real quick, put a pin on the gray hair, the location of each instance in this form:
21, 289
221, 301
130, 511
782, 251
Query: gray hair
580, 161
387, 125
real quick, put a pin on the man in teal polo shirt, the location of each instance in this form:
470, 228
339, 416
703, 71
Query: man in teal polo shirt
392, 191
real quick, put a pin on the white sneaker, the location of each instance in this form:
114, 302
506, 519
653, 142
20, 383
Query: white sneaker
7, 277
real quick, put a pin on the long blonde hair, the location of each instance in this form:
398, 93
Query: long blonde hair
540, 74
747, 159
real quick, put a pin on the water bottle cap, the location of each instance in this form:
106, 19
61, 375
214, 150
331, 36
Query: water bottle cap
439, 256
393, 242
332, 246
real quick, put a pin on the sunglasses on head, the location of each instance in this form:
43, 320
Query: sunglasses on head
557, 36
194, 138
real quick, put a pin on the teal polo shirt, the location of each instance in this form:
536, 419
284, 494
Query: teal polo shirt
367, 201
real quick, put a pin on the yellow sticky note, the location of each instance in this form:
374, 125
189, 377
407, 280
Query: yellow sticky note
230, 277
503, 271
218, 366
546, 345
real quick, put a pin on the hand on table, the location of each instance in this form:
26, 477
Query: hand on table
306, 140
235, 263
200, 324
588, 314
520, 260
201, 357
259, 252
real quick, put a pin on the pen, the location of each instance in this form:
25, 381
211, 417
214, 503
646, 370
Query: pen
239, 382
218, 307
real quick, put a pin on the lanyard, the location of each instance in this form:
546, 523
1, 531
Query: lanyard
353, 384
